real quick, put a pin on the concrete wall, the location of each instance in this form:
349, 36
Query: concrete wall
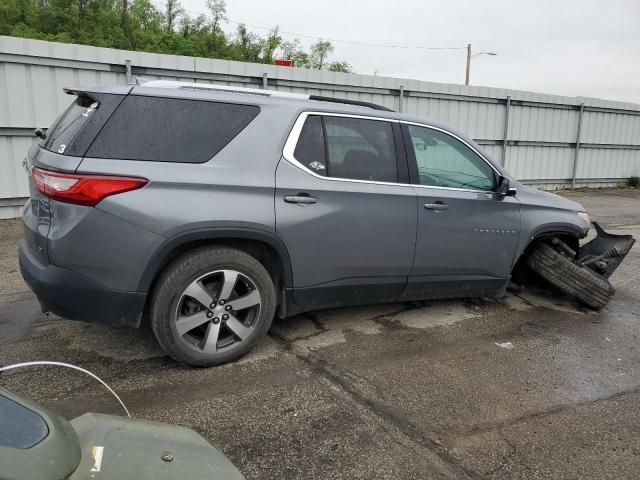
533, 135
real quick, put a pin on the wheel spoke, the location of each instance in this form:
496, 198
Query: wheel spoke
249, 300
210, 344
230, 278
197, 291
237, 327
186, 323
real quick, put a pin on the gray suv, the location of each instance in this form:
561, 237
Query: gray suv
208, 210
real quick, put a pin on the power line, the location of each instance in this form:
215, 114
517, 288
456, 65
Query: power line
332, 40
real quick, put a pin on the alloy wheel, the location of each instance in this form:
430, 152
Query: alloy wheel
218, 311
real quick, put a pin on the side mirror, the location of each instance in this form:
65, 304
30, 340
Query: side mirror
504, 188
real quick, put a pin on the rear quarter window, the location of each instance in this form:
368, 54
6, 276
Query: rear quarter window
65, 128
170, 130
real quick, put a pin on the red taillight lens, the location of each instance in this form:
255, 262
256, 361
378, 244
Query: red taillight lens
82, 189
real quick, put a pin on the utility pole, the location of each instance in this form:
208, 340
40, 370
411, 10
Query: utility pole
466, 79
469, 57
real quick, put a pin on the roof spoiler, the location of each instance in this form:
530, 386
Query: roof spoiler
87, 91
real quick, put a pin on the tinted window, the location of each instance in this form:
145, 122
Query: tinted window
64, 129
352, 148
310, 148
360, 149
170, 130
444, 161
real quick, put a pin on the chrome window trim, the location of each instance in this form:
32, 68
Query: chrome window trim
294, 135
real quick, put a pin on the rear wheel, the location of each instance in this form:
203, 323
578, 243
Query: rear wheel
212, 305
580, 283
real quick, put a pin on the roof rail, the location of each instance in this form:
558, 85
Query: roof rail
143, 82
221, 88
373, 106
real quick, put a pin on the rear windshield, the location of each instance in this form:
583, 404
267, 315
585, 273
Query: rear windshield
170, 129
65, 128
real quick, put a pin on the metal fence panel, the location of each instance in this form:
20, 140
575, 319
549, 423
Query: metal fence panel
543, 124
535, 135
533, 163
13, 180
607, 162
611, 128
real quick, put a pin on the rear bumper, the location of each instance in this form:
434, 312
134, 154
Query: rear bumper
77, 297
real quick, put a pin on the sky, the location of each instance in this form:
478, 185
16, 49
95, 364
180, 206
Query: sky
588, 48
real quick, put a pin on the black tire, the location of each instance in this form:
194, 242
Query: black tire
580, 283
185, 270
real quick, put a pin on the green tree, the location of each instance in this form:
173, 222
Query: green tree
292, 50
141, 25
317, 58
320, 53
16, 13
218, 10
270, 45
145, 25
343, 67
247, 45
172, 13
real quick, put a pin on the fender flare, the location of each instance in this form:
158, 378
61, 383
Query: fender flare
547, 230
162, 255
557, 228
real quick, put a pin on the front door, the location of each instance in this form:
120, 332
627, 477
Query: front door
345, 210
467, 234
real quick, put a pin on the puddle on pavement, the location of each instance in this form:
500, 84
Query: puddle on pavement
306, 332
533, 297
326, 328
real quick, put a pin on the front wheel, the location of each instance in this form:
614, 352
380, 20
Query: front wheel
212, 305
578, 282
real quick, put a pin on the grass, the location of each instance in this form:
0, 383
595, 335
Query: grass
633, 181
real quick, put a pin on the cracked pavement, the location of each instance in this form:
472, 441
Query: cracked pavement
397, 391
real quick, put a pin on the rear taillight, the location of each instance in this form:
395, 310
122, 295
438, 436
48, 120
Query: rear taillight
82, 189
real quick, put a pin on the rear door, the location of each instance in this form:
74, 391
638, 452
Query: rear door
345, 209
467, 234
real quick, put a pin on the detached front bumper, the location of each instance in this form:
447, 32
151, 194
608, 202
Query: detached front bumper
77, 297
604, 253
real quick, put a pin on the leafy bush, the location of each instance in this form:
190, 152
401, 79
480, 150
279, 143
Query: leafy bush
634, 181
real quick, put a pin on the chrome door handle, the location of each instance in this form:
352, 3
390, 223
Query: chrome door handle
436, 206
300, 199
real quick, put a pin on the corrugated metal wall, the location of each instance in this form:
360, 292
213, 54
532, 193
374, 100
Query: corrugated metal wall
540, 137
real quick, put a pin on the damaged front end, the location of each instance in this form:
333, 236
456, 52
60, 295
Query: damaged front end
604, 253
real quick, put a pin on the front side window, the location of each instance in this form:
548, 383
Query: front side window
350, 148
444, 161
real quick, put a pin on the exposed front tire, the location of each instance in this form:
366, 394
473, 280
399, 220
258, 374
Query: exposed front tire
212, 305
580, 283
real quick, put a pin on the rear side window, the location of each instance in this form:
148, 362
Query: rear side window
170, 130
360, 149
351, 148
310, 148
65, 128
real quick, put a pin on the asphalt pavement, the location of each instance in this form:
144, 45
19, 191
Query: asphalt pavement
531, 385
